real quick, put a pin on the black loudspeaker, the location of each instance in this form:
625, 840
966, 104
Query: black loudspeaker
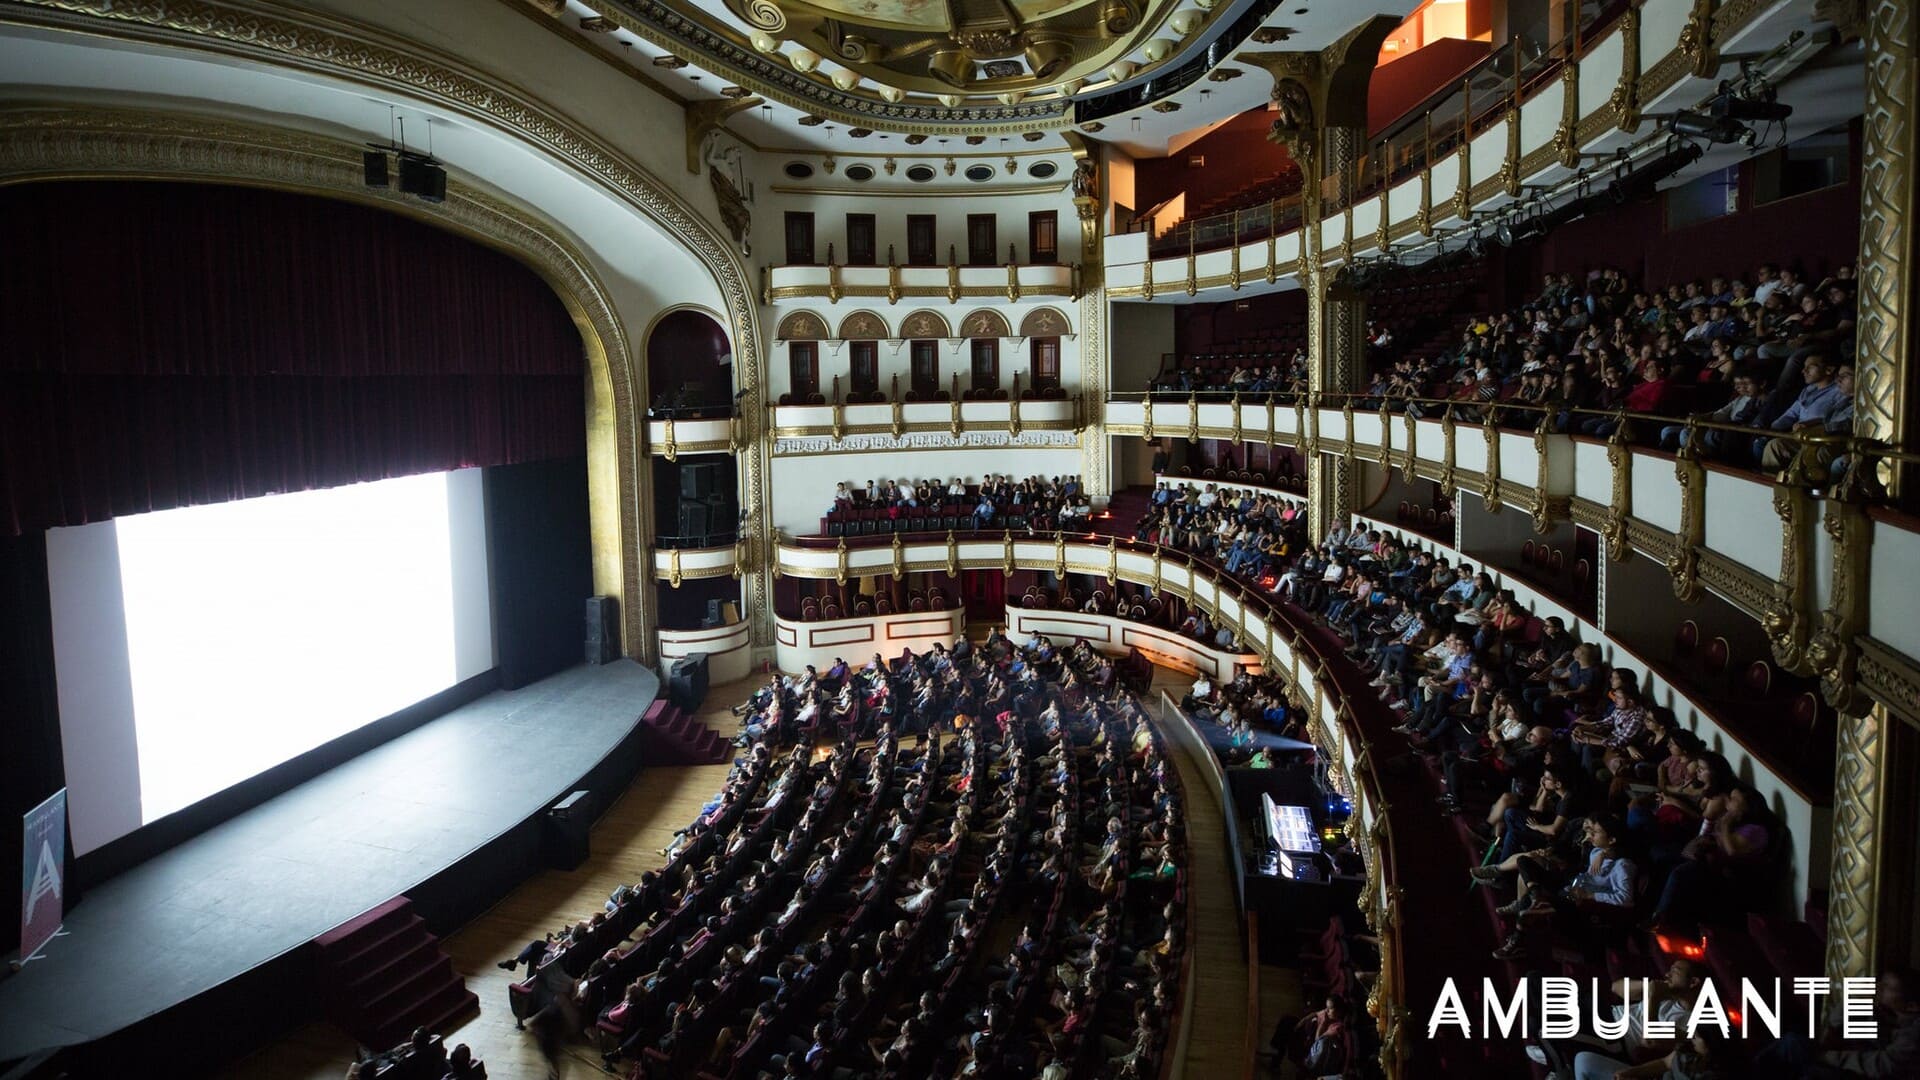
420, 176
715, 615
696, 519
687, 682
567, 827
603, 630
373, 166
699, 481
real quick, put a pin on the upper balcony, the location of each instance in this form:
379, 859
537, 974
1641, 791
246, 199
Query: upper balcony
1799, 552
1505, 133
1010, 282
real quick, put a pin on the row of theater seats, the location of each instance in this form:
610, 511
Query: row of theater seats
814, 609
926, 788
946, 517
1782, 714
1437, 518
1283, 477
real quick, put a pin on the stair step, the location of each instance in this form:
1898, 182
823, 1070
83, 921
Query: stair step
436, 1012
372, 954
369, 925
436, 971
373, 979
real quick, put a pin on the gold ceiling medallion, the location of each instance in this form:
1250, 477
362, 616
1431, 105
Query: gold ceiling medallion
1034, 136
1007, 48
916, 140
859, 132
976, 140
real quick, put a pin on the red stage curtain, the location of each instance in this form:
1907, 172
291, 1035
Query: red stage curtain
176, 344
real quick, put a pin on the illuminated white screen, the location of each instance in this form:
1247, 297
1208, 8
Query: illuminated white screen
258, 630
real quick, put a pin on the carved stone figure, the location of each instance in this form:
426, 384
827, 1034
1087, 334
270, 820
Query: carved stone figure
733, 209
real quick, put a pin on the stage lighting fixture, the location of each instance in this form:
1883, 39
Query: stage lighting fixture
1640, 183
1765, 109
373, 167
1712, 128
421, 175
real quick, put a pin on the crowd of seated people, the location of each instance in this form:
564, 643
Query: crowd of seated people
1773, 357
1246, 371
993, 885
422, 1057
1601, 813
1036, 504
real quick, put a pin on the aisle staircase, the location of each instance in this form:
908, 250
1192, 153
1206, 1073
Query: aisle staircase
672, 736
382, 975
1126, 508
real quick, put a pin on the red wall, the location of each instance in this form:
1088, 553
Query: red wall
1238, 157
1198, 326
1816, 231
1399, 86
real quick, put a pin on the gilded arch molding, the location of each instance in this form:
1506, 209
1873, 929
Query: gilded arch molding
40, 145
363, 56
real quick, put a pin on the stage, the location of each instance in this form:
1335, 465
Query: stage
449, 814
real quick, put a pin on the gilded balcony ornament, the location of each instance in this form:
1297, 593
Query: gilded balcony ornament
1237, 429
1620, 506
1383, 229
834, 291
840, 562
1146, 417
1386, 437
673, 567
1146, 279
894, 289
1269, 432
839, 412
1424, 219
1113, 560
1492, 492
1193, 276
1300, 436
1193, 416
1831, 651
766, 285
1060, 556
1624, 102
899, 410
1565, 145
736, 435
1006, 552
1684, 562
1446, 452
1696, 40
742, 553
953, 555
954, 423
670, 447
1233, 273
1273, 266
1346, 419
1463, 191
1409, 456
899, 558
1312, 429
1157, 569
1013, 408
1013, 283
1784, 616
1541, 506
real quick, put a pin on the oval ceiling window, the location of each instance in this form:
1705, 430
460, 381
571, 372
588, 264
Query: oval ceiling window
1044, 169
799, 170
860, 173
979, 174
920, 174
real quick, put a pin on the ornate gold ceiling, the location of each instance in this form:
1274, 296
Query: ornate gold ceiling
949, 47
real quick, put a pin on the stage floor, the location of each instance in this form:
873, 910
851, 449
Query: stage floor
280, 874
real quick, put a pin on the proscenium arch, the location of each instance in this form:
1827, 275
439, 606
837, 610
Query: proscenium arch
120, 144
366, 57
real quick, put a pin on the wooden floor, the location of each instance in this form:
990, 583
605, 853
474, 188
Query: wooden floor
626, 841
1216, 1043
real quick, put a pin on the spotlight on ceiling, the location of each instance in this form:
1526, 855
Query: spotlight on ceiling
1692, 124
